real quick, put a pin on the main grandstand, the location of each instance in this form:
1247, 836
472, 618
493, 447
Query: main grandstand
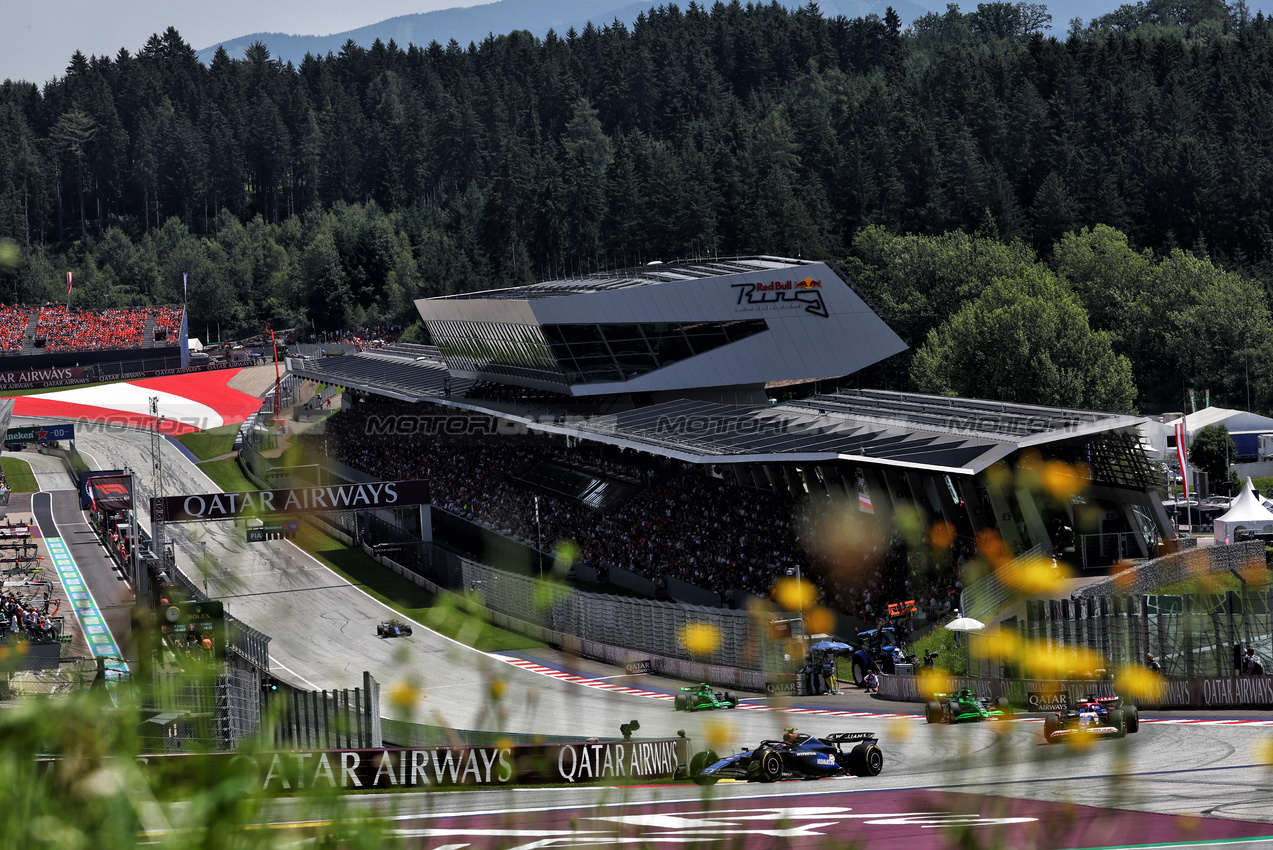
637, 422
99, 344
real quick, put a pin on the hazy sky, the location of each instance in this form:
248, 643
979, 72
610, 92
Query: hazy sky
37, 39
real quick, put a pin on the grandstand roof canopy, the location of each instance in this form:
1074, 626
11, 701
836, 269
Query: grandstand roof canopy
937, 433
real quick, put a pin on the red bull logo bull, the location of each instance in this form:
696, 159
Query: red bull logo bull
808, 283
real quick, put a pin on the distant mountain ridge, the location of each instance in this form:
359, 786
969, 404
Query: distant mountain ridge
474, 23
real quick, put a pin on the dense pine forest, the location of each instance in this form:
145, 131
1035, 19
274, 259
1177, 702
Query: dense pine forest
1079, 219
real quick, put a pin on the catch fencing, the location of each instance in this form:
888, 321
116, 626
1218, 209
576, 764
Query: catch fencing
985, 597
1190, 635
641, 625
329, 720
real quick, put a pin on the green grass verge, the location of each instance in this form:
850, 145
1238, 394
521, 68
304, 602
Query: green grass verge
18, 472
408, 598
211, 443
227, 475
951, 659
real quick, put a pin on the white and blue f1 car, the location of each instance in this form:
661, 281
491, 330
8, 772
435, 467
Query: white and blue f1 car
796, 756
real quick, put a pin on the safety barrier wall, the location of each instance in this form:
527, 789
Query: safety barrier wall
1017, 691
1031, 694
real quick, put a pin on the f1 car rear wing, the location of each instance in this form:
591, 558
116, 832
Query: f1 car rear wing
846, 737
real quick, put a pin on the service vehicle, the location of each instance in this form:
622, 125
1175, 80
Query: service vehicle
1093, 715
963, 706
703, 698
796, 756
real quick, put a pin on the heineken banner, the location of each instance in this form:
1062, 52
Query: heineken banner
434, 767
40, 434
301, 500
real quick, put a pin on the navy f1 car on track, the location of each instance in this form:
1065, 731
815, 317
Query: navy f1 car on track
393, 628
796, 756
1093, 716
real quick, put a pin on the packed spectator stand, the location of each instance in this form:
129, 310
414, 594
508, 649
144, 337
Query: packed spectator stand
58, 328
681, 523
13, 326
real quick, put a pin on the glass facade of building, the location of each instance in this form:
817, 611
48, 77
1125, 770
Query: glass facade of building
594, 354
497, 349
577, 353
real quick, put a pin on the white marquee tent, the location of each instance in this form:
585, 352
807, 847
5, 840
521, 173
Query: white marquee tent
1245, 514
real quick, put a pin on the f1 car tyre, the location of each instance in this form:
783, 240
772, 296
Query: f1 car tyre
770, 766
866, 760
1119, 722
859, 673
380, 630
1132, 715
702, 760
678, 702
1051, 723
932, 711
731, 699
1003, 705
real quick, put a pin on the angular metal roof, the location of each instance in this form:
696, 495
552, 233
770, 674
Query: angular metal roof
647, 275
935, 433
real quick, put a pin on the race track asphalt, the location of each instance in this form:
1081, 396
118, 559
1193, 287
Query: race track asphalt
1204, 775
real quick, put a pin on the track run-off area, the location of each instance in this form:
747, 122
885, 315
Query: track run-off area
1182, 780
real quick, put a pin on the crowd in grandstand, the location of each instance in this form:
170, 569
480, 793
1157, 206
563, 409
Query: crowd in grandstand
746, 540
59, 328
167, 322
13, 326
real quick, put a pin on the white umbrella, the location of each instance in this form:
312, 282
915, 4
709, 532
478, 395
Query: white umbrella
965, 624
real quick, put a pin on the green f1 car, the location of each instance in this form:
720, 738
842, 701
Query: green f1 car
963, 706
702, 697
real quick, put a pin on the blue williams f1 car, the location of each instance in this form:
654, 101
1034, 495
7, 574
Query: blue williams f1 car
796, 756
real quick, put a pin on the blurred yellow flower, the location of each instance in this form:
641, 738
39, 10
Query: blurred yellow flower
1062, 480
991, 547
700, 638
931, 682
1035, 576
942, 534
819, 621
1139, 683
497, 688
795, 593
404, 696
717, 733
1264, 751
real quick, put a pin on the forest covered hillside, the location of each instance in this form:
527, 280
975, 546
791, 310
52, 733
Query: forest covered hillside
1099, 201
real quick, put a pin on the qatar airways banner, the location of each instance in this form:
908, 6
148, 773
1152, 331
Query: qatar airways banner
446, 767
28, 379
211, 507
